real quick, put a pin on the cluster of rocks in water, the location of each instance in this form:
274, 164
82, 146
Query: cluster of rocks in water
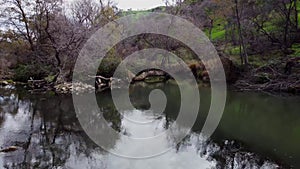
63, 88
76, 87
6, 83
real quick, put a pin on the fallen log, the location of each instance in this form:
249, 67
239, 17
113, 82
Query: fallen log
101, 77
4, 83
104, 82
9, 149
272, 86
151, 75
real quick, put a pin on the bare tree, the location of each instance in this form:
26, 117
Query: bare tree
85, 12
66, 39
18, 17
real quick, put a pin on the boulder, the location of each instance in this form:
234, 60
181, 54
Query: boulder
4, 83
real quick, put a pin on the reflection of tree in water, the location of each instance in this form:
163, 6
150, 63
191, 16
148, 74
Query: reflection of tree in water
139, 95
109, 111
51, 135
227, 154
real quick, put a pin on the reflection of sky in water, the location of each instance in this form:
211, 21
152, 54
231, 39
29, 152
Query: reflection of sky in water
16, 127
72, 149
171, 159
186, 158
142, 124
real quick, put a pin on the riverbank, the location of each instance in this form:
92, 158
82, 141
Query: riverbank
242, 85
282, 76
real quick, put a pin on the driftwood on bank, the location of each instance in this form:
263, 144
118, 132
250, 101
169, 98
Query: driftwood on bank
142, 76
272, 79
102, 82
148, 76
274, 86
37, 84
9, 149
4, 83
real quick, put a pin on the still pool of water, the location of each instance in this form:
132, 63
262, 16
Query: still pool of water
256, 131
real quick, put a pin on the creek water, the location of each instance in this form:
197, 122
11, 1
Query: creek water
256, 131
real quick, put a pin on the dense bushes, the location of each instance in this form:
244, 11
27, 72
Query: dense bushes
108, 65
35, 71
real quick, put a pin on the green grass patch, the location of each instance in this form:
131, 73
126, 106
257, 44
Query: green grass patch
272, 57
218, 31
299, 17
296, 49
218, 35
233, 50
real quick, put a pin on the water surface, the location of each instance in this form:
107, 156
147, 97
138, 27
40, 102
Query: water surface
256, 131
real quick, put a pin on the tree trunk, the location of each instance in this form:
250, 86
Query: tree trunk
211, 28
25, 20
296, 14
243, 50
286, 28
